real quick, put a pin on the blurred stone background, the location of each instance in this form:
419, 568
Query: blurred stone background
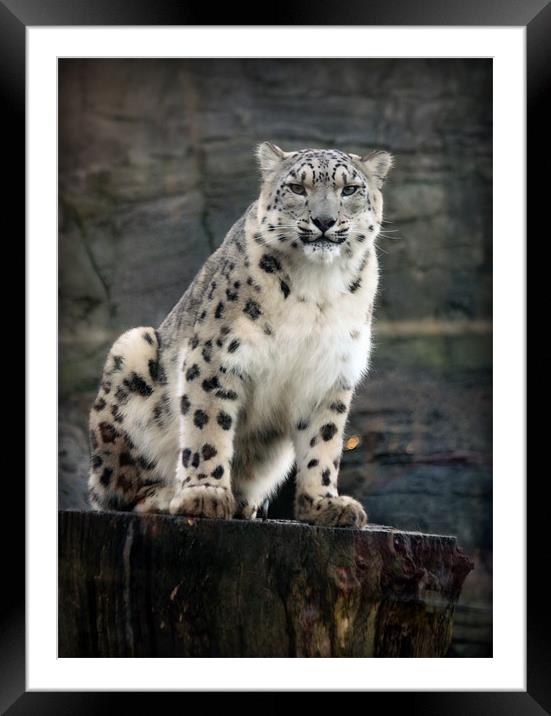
155, 164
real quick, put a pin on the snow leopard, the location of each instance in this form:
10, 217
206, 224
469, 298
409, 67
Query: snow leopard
252, 373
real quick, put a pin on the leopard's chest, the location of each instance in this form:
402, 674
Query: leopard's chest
314, 347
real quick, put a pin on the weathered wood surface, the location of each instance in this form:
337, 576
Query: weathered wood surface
155, 585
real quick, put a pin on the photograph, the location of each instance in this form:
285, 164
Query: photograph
275, 357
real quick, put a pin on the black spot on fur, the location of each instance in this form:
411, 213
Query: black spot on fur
200, 418
224, 420
99, 404
148, 338
193, 372
226, 394
208, 451
219, 310
210, 384
338, 407
161, 410
118, 362
156, 371
154, 368
328, 431
125, 459
207, 351
217, 472
194, 341
136, 384
284, 288
234, 345
105, 478
122, 395
355, 285
231, 295
97, 461
185, 404
313, 463
108, 432
186, 454
268, 329
269, 263
313, 441
326, 477
302, 424
196, 459
252, 309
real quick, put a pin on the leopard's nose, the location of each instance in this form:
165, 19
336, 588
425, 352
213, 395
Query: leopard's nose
324, 223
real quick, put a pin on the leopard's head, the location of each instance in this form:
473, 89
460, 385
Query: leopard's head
321, 203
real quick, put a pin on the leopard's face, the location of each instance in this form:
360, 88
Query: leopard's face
322, 204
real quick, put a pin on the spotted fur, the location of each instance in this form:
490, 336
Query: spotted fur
254, 368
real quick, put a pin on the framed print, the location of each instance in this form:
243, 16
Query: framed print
141, 127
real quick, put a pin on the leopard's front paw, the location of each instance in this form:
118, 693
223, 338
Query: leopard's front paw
245, 510
204, 501
338, 511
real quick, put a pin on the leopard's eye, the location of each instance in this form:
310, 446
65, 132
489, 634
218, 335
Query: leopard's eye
348, 190
297, 189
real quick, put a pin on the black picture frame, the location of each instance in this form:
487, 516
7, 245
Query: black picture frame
535, 16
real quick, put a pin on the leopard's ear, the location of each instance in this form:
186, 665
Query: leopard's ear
270, 157
377, 164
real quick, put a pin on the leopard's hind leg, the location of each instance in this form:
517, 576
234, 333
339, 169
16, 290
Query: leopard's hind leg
124, 472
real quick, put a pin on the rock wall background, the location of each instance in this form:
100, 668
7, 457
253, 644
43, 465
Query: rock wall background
155, 164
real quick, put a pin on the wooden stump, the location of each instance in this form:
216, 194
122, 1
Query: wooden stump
156, 585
